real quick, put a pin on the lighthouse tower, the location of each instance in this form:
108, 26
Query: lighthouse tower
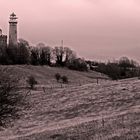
13, 30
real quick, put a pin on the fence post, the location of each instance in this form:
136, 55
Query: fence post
97, 80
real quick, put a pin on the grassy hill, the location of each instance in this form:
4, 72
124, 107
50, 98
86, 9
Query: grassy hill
45, 74
81, 110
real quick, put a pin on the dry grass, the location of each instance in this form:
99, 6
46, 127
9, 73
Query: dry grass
45, 75
107, 111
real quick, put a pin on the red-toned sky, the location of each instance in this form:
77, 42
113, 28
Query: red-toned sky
96, 29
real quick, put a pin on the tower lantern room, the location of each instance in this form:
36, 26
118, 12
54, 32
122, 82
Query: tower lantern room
13, 30
13, 18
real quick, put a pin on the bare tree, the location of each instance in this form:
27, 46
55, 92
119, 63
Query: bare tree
45, 55
40, 45
63, 55
10, 98
23, 52
35, 56
59, 53
25, 42
69, 55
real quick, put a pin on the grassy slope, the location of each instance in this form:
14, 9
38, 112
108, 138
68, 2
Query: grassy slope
85, 111
45, 75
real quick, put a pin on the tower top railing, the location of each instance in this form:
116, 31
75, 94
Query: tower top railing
13, 18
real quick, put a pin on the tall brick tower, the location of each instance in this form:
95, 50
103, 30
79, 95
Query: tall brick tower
13, 30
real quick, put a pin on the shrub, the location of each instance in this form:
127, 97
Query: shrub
31, 81
10, 99
119, 70
57, 76
64, 79
78, 64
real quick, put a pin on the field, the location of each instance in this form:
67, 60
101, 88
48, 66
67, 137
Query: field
81, 110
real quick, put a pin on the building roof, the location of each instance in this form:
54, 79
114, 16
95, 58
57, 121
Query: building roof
13, 14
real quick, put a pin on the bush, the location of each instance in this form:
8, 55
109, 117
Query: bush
31, 81
78, 64
10, 99
116, 71
64, 79
57, 76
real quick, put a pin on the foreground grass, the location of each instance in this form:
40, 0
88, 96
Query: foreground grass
89, 111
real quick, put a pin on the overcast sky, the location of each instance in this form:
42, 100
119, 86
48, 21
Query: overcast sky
96, 29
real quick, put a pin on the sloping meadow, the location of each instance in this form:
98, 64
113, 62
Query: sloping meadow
81, 110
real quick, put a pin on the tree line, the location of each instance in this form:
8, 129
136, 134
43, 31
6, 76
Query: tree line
41, 54
118, 69
60, 56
